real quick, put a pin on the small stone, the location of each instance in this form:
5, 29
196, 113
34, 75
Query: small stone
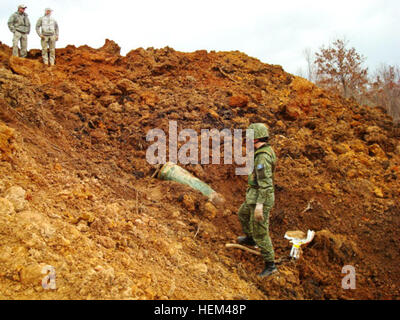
48, 231
378, 192
191, 78
110, 47
152, 223
65, 242
32, 274
98, 135
175, 214
16, 195
115, 107
109, 274
130, 107
217, 199
106, 242
99, 268
210, 211
293, 112
6, 207
341, 148
87, 216
238, 101
75, 109
2, 186
82, 226
376, 151
127, 86
182, 224
139, 221
200, 268
189, 203
6, 142
279, 124
358, 146
213, 114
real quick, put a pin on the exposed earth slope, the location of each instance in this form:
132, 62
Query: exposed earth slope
76, 191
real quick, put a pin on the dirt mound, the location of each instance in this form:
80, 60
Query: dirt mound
73, 146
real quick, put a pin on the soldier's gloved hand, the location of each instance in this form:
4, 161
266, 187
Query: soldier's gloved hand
258, 212
42, 36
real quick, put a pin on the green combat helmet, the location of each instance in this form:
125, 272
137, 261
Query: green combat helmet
260, 130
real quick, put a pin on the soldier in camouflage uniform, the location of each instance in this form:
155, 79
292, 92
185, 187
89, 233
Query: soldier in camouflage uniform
260, 199
20, 26
47, 30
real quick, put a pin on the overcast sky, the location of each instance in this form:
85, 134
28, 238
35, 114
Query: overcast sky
275, 32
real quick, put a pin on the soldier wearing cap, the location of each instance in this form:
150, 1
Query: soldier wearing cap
47, 29
260, 199
20, 26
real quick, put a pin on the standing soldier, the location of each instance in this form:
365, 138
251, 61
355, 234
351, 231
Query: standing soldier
47, 29
260, 198
20, 26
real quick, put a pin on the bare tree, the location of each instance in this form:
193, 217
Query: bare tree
385, 90
309, 56
340, 69
300, 72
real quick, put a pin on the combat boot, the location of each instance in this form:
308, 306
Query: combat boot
246, 240
269, 269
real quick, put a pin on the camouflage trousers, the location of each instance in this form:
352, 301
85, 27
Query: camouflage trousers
259, 231
23, 39
49, 46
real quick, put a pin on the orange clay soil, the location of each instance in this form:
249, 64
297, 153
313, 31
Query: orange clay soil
76, 190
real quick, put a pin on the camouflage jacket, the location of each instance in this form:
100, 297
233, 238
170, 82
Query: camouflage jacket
261, 180
47, 26
19, 22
